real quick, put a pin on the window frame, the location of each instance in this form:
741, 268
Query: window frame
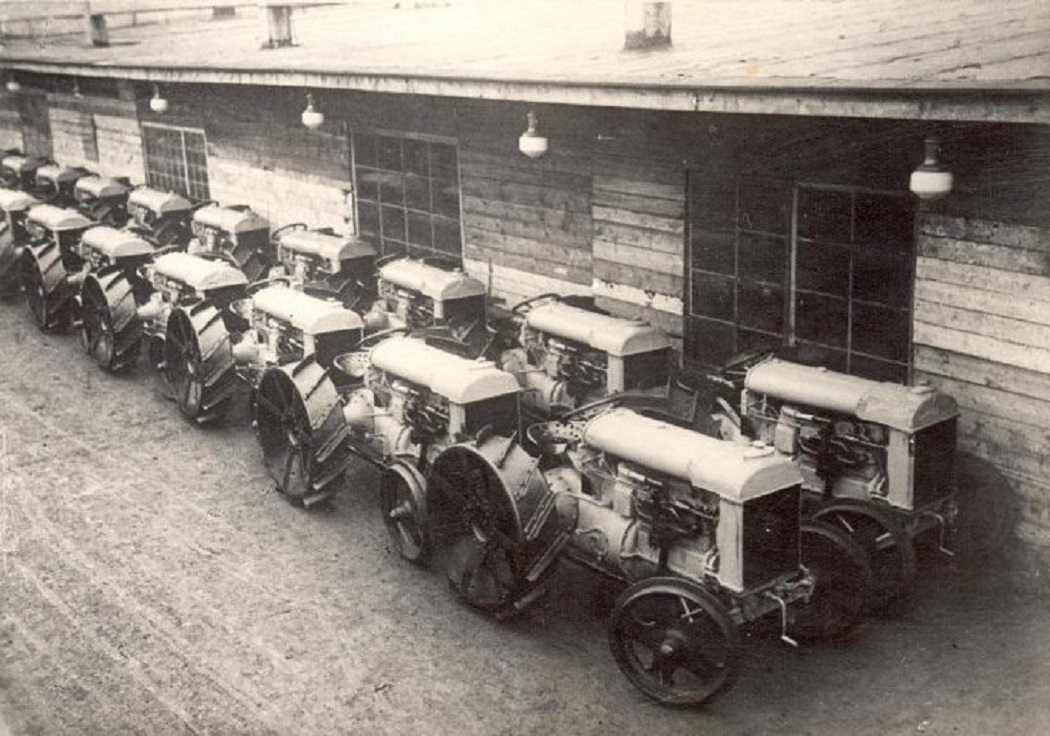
413, 248
191, 188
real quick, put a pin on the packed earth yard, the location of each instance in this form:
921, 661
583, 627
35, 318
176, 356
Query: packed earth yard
151, 581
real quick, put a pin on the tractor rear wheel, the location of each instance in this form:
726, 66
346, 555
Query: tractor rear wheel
842, 584
305, 442
8, 262
47, 292
889, 547
110, 328
198, 362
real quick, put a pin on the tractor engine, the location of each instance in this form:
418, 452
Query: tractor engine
286, 325
415, 294
237, 234
104, 200
162, 217
326, 264
14, 206
180, 278
569, 356
418, 399
645, 496
54, 184
19, 172
853, 437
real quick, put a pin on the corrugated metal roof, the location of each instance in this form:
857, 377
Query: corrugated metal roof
913, 58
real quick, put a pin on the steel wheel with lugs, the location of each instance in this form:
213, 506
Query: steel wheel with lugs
198, 362
305, 443
110, 328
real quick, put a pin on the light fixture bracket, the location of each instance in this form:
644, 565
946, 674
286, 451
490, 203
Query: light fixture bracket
157, 103
531, 143
931, 181
312, 118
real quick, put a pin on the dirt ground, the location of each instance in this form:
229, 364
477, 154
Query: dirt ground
151, 581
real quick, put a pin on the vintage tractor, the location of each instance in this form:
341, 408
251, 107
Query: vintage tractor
879, 459
236, 233
14, 207
103, 199
327, 265
19, 172
394, 406
52, 254
414, 294
705, 534
55, 184
161, 217
184, 314
111, 288
568, 355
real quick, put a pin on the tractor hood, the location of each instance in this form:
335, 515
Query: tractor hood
735, 471
13, 200
432, 282
905, 408
331, 247
100, 187
158, 202
59, 174
199, 273
57, 219
612, 335
311, 315
460, 380
230, 219
115, 244
21, 163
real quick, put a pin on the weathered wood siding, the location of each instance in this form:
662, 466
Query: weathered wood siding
101, 134
10, 123
982, 334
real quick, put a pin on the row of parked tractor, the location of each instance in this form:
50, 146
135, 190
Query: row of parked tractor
504, 444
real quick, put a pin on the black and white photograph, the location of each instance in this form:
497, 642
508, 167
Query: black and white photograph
524, 367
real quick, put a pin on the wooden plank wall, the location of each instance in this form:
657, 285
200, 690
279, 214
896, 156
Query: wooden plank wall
10, 123
982, 334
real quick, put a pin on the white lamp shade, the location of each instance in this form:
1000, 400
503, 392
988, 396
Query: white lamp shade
532, 145
13, 86
931, 184
312, 119
157, 103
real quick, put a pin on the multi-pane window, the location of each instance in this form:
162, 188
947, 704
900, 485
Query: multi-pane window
827, 268
408, 195
176, 160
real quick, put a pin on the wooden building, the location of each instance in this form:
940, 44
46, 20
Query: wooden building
746, 186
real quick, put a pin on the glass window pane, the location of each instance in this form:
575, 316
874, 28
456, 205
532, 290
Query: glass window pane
883, 278
365, 150
763, 257
760, 306
885, 221
712, 296
822, 268
393, 222
447, 237
710, 343
368, 218
713, 252
812, 354
443, 162
417, 193
368, 184
825, 215
419, 229
764, 205
391, 188
446, 199
881, 332
878, 370
389, 151
749, 340
416, 157
821, 319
